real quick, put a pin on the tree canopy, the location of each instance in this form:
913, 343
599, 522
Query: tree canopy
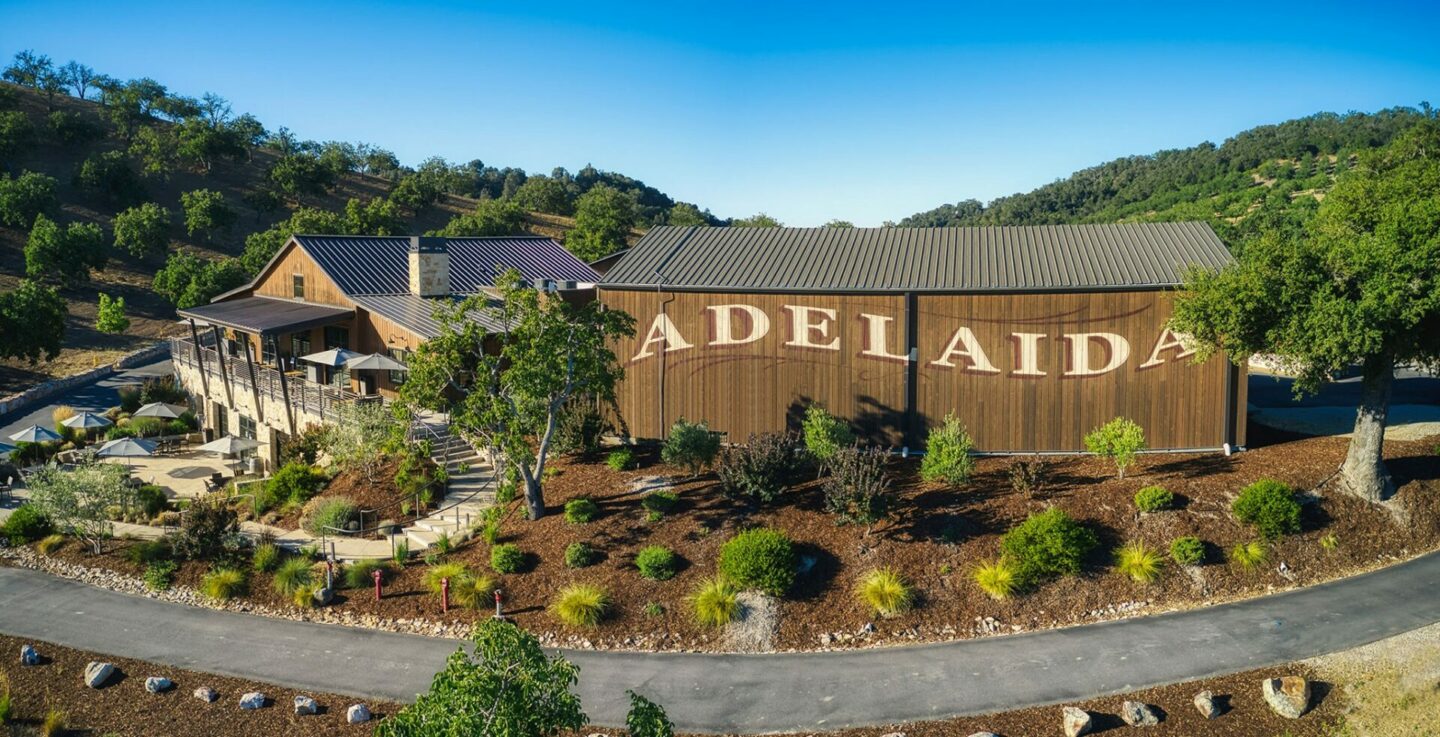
32, 322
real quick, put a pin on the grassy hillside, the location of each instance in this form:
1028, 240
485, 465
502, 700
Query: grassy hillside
238, 180
1269, 176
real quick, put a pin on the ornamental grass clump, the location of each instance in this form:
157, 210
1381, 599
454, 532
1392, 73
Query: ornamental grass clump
947, 453
1046, 545
884, 592
223, 583
581, 511
1154, 499
580, 605
361, 573
1187, 551
1248, 555
657, 562
292, 575
1270, 507
715, 602
761, 559
265, 558
1139, 561
50, 543
997, 578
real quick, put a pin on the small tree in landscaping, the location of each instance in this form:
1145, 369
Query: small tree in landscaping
646, 718
110, 315
207, 530
825, 435
858, 489
690, 444
78, 502
1270, 506
1046, 545
1119, 440
758, 471
361, 437
762, 559
507, 686
947, 453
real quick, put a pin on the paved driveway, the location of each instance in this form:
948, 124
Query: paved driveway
96, 396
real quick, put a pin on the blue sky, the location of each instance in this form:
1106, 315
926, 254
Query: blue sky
859, 111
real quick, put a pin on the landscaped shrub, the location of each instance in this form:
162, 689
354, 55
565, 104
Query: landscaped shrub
1028, 475
401, 553
148, 551
472, 591
947, 453
294, 482
1248, 555
1329, 543
1047, 544
1187, 551
858, 489
205, 530
293, 574
266, 557
304, 597
998, 578
1138, 561
158, 576
824, 434
1119, 440
580, 555
151, 499
621, 459
361, 573
761, 559
1153, 499
660, 501
580, 427
690, 444
581, 511
1270, 506
758, 471
26, 524
50, 544
223, 583
657, 562
714, 602
443, 543
329, 514
580, 605
146, 427
506, 558
884, 592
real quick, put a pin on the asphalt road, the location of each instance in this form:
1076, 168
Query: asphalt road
1411, 387
760, 693
96, 396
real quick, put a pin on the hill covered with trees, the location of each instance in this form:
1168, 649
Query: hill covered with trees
1272, 176
141, 193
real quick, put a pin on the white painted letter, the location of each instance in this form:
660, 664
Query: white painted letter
964, 345
875, 343
1027, 354
721, 317
1168, 339
661, 331
801, 327
1117, 346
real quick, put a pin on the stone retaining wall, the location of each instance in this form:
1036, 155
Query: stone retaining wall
43, 391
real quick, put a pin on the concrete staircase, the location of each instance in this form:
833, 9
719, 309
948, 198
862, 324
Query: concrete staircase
469, 493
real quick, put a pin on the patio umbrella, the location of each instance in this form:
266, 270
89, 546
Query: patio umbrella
375, 362
162, 410
126, 448
87, 421
6, 448
229, 445
334, 358
34, 434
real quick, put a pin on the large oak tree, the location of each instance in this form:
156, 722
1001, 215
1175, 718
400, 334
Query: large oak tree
1359, 286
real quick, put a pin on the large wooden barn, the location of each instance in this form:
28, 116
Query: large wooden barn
1032, 335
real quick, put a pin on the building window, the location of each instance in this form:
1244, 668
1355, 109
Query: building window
337, 337
299, 282
222, 421
399, 354
267, 350
300, 344
247, 428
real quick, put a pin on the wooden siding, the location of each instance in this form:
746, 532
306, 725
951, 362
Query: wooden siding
278, 280
764, 385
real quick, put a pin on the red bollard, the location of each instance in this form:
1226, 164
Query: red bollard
445, 596
376, 575
498, 615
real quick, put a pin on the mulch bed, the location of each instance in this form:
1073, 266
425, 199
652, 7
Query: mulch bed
123, 707
822, 609
380, 495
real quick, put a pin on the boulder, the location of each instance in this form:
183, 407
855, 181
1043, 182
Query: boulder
1288, 696
1137, 714
304, 706
96, 674
158, 684
1205, 704
1076, 722
324, 596
252, 701
28, 656
357, 714
206, 694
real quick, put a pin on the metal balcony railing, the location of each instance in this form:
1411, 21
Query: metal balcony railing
305, 395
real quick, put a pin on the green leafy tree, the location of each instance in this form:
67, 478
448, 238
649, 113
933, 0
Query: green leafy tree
362, 436
506, 687
301, 174
839, 224
206, 212
489, 218
64, 256
78, 77
544, 194
110, 316
110, 177
16, 132
1358, 286
377, 216
28, 69
1120, 440
32, 322
647, 718
154, 147
24, 197
759, 220
603, 218
187, 280
143, 231
549, 353
203, 143
79, 500
261, 246
686, 214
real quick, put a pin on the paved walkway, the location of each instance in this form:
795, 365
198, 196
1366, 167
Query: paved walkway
761, 693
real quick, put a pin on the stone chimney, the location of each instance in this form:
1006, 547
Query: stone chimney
429, 266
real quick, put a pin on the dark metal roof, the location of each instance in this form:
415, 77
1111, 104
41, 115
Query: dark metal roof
380, 264
984, 259
416, 313
267, 315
